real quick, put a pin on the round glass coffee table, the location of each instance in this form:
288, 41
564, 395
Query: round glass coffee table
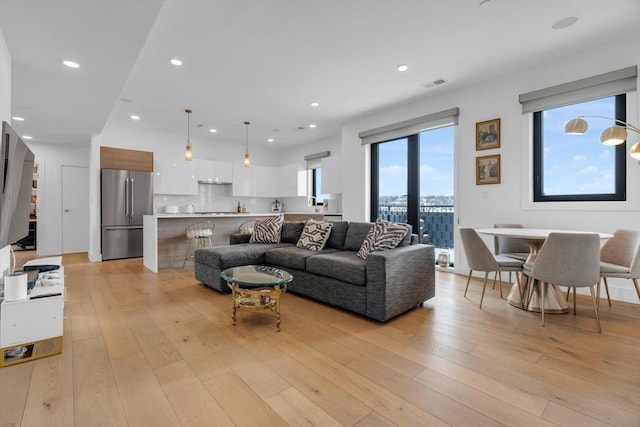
256, 288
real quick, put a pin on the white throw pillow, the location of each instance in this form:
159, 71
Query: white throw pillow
315, 235
382, 236
267, 230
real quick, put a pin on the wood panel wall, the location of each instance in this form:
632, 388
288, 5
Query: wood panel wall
120, 158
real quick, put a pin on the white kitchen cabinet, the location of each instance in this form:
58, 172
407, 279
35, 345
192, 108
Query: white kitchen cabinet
265, 179
291, 181
331, 175
243, 182
174, 176
255, 181
213, 170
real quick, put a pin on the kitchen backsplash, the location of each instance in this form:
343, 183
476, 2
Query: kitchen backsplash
218, 198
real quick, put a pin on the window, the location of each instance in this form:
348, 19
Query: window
578, 167
316, 187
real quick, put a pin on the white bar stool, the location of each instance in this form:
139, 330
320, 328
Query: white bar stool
199, 235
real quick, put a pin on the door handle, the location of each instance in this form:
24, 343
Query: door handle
131, 199
67, 210
126, 198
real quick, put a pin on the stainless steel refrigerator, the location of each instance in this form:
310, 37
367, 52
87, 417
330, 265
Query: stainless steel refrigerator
126, 196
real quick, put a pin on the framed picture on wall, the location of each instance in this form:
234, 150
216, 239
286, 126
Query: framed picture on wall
488, 169
488, 134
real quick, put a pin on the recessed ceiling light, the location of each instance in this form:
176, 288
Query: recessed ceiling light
564, 23
134, 117
213, 130
71, 64
176, 62
312, 125
19, 119
27, 137
315, 104
270, 140
402, 67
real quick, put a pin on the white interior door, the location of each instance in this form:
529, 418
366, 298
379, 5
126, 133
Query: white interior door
75, 209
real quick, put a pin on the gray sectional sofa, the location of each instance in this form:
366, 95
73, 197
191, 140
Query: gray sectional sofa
383, 286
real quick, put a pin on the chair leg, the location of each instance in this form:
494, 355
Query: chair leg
635, 283
574, 301
468, 280
520, 290
606, 288
498, 276
186, 256
486, 278
595, 308
543, 285
566, 297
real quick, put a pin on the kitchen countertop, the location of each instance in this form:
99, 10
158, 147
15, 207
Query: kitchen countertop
209, 215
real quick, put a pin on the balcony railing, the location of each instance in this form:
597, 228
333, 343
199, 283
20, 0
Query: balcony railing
436, 222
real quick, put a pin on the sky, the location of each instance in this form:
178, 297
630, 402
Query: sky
436, 164
578, 164
573, 164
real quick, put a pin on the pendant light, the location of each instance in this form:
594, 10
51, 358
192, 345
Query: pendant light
247, 161
187, 148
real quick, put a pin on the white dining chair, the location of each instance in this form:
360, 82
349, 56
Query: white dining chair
568, 259
620, 257
480, 258
511, 246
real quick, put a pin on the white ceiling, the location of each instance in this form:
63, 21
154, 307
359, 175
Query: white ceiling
266, 60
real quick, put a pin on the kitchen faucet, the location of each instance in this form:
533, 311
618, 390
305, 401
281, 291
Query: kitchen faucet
312, 201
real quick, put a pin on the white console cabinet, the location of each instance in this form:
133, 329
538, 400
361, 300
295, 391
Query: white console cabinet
33, 328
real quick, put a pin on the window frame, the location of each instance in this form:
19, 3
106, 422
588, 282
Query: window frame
620, 193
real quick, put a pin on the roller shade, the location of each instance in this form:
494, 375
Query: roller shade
410, 127
600, 86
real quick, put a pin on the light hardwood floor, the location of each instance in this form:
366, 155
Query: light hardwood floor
144, 349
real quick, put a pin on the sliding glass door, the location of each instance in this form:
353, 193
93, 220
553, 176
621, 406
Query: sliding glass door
412, 182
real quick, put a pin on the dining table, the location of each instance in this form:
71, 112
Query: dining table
554, 301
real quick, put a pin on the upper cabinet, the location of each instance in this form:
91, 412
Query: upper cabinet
331, 175
291, 181
215, 171
254, 181
173, 175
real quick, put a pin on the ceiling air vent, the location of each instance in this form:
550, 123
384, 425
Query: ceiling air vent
434, 83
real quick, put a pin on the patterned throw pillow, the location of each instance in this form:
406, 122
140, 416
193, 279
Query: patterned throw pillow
383, 235
267, 230
315, 235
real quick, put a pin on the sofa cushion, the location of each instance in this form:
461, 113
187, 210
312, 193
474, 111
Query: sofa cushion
408, 239
267, 230
292, 257
343, 265
223, 257
355, 235
382, 236
315, 235
338, 234
291, 231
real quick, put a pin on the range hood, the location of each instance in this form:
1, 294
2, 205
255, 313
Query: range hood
213, 182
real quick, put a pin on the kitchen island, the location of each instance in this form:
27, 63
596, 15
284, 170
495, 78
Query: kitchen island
165, 242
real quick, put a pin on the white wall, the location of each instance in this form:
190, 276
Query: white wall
482, 206
50, 159
5, 81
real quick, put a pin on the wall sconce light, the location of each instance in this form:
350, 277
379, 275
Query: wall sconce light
187, 148
613, 135
247, 161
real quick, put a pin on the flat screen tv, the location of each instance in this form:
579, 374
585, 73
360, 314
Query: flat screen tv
16, 175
